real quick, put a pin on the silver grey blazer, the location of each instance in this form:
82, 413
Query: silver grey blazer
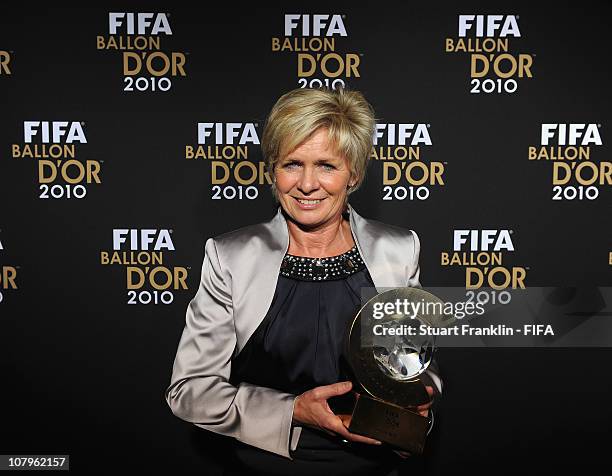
238, 281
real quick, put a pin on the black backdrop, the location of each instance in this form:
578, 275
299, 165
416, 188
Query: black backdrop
83, 372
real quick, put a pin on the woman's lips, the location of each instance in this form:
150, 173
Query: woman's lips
308, 204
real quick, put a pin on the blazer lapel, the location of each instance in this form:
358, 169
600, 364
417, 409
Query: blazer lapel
366, 240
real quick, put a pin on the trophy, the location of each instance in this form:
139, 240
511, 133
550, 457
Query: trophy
388, 349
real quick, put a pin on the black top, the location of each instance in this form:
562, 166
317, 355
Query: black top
298, 346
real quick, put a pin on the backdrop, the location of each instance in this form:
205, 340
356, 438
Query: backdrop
130, 134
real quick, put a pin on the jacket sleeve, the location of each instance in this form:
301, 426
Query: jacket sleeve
432, 374
200, 391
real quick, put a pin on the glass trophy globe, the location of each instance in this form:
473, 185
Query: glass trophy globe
403, 357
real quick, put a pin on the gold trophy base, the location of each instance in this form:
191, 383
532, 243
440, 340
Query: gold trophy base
390, 424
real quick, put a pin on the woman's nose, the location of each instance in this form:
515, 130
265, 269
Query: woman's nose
308, 180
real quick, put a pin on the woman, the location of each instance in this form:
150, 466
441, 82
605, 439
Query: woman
260, 354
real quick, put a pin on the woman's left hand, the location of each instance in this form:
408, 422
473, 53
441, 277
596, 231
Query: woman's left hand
311, 409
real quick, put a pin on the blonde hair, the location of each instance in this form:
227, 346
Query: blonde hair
297, 114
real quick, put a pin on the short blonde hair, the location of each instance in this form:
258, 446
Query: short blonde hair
297, 114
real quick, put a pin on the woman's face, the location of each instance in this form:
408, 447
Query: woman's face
312, 181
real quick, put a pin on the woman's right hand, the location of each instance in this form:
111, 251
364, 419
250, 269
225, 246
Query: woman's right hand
311, 409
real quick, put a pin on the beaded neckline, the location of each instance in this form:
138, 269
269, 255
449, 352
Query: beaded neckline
329, 268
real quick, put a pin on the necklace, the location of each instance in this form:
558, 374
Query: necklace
305, 268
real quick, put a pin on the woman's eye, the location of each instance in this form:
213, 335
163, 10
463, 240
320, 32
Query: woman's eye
291, 165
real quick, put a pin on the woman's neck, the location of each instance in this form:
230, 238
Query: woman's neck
330, 239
